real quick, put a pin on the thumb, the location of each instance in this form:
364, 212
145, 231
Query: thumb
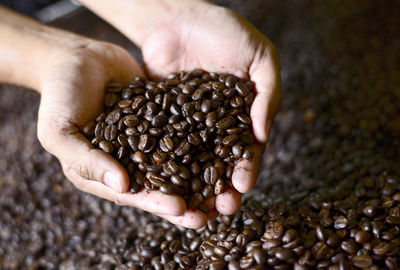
65, 141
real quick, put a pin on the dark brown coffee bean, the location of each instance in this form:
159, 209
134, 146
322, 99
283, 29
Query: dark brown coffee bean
188, 110
237, 150
138, 102
113, 117
230, 140
341, 223
237, 102
99, 129
211, 119
381, 249
362, 261
170, 167
244, 118
133, 143
284, 254
177, 180
167, 189
242, 89
131, 120
194, 139
166, 144
139, 157
125, 103
122, 140
210, 175
110, 132
349, 246
225, 123
106, 147
144, 142
159, 120
362, 237
183, 148
208, 190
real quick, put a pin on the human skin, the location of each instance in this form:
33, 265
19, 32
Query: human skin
177, 35
173, 35
70, 72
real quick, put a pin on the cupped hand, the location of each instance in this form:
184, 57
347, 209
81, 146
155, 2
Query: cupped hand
72, 88
219, 40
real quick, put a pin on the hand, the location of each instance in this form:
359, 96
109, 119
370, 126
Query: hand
217, 39
72, 88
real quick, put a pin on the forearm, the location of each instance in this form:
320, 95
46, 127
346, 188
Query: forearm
25, 47
140, 15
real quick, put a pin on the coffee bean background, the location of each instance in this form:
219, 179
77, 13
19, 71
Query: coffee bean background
328, 188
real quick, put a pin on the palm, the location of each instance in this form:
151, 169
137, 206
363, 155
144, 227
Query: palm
200, 43
76, 83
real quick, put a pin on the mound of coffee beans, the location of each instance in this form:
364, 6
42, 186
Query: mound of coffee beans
182, 135
353, 225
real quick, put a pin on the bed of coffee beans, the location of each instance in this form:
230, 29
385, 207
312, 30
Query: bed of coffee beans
353, 225
182, 135
328, 184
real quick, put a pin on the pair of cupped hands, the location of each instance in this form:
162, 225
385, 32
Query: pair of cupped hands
209, 37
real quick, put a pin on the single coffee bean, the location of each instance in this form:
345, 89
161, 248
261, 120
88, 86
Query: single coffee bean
106, 147
242, 89
362, 261
113, 117
210, 175
110, 132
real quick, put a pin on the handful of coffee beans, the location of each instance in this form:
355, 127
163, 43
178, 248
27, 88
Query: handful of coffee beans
182, 135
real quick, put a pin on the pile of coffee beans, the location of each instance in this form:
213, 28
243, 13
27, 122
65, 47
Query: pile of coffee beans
353, 225
182, 135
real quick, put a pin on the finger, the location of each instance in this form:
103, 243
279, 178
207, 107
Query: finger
151, 201
192, 218
71, 148
228, 202
245, 172
265, 72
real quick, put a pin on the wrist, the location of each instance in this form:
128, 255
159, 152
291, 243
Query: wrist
26, 47
136, 19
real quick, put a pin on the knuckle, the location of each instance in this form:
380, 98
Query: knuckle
118, 200
83, 170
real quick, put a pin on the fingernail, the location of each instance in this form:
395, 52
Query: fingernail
112, 181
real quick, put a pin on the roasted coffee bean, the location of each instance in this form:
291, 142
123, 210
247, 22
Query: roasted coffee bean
144, 142
166, 144
210, 175
106, 147
110, 132
225, 123
113, 117
99, 129
362, 261
183, 148
242, 89
159, 120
